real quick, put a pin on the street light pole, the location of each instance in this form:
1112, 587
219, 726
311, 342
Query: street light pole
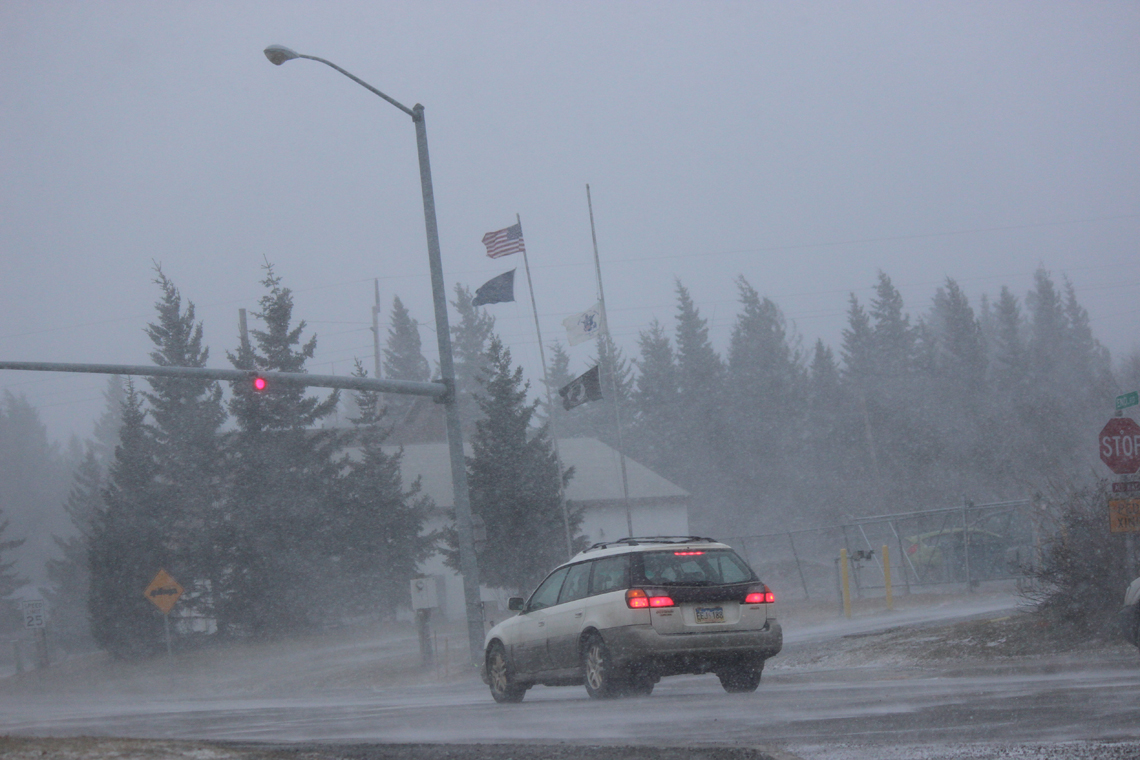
468, 566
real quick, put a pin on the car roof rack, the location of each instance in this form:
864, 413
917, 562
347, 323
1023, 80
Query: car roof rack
638, 540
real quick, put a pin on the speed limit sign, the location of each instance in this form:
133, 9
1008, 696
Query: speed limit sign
33, 610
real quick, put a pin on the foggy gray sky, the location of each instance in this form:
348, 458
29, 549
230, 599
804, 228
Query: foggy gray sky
805, 146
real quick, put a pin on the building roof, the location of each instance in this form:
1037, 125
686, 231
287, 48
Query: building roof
596, 480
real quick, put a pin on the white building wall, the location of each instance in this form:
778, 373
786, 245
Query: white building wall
606, 523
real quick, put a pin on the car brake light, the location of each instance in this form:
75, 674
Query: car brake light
638, 599
687, 554
760, 597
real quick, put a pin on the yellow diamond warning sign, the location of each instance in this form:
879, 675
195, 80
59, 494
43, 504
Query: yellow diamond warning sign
164, 591
1124, 515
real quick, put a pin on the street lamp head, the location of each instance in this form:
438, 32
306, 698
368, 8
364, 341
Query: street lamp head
278, 54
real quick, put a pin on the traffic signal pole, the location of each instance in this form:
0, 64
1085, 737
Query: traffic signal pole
434, 390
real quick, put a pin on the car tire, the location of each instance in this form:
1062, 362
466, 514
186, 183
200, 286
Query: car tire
501, 678
640, 687
598, 669
741, 677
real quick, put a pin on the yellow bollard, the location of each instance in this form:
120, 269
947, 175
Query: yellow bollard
846, 583
887, 577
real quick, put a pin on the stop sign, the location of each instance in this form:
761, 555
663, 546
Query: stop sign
1120, 445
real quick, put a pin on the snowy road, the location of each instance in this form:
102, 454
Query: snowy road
888, 711
808, 714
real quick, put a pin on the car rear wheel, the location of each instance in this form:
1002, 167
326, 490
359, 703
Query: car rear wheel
640, 686
741, 677
503, 688
598, 668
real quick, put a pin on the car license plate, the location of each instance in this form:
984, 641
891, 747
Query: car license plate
710, 614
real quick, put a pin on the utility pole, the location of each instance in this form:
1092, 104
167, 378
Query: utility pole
376, 328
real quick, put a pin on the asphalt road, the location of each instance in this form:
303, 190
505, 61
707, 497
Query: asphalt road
809, 714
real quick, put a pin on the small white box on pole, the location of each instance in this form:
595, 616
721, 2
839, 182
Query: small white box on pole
425, 595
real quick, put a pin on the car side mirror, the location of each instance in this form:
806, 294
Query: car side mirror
515, 603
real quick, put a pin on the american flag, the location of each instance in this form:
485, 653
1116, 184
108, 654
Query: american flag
504, 242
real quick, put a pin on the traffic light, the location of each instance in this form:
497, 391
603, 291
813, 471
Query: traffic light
260, 383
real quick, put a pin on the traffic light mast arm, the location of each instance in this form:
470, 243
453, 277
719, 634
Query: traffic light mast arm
238, 375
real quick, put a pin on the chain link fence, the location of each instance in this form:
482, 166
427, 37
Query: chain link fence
962, 545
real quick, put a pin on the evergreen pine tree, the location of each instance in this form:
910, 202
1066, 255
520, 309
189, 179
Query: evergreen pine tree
596, 419
893, 339
128, 544
1051, 412
404, 359
379, 523
700, 381
69, 576
857, 350
187, 415
1007, 346
835, 448
470, 336
34, 479
656, 434
514, 480
10, 580
279, 537
105, 435
764, 397
958, 390
558, 374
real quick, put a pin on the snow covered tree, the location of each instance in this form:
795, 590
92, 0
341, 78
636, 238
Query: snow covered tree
470, 336
700, 381
595, 419
557, 375
403, 358
764, 397
128, 544
514, 482
656, 436
380, 523
69, 576
34, 478
10, 580
278, 516
187, 415
105, 435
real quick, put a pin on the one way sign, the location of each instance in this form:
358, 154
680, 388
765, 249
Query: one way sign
163, 591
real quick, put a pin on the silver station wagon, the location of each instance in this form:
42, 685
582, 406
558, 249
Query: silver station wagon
622, 614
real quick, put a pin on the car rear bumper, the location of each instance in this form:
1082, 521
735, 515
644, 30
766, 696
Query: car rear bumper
692, 652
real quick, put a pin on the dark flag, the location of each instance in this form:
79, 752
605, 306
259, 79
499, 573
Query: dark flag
496, 290
585, 387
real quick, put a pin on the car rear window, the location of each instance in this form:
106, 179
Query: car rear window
689, 567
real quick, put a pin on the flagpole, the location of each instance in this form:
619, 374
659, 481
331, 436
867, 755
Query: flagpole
549, 400
613, 368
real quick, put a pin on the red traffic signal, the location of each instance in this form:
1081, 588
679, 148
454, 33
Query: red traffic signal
260, 383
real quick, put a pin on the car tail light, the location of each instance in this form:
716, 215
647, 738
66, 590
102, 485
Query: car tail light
687, 554
912, 549
762, 595
639, 599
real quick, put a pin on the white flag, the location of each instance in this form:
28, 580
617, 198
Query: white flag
585, 326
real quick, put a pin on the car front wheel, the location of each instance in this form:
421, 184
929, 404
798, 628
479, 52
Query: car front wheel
503, 688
